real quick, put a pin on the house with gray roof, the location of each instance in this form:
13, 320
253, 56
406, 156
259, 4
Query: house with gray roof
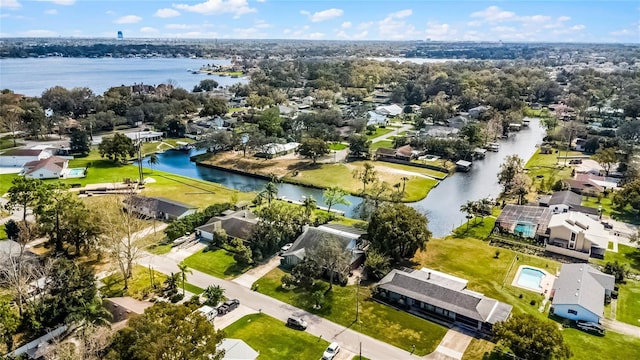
235, 224
579, 292
159, 207
565, 201
436, 295
349, 237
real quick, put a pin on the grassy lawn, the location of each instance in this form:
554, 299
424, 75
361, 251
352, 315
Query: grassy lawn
546, 166
415, 169
380, 131
139, 284
610, 346
628, 310
381, 144
476, 228
377, 320
273, 340
7, 143
3, 233
338, 146
192, 288
327, 175
159, 249
5, 182
475, 261
628, 214
219, 263
477, 349
626, 255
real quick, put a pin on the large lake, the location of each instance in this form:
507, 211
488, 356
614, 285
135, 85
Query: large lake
32, 76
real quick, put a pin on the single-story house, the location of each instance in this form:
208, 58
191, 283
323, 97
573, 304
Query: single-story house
475, 112
576, 235
376, 119
578, 144
434, 294
579, 292
235, 224
19, 157
457, 122
159, 207
385, 153
406, 153
145, 136
389, 110
236, 349
349, 237
523, 220
40, 347
272, 150
565, 201
53, 167
439, 131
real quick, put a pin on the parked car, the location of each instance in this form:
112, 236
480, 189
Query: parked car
286, 247
296, 323
607, 225
332, 350
590, 326
223, 309
232, 304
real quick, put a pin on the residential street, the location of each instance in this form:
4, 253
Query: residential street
348, 339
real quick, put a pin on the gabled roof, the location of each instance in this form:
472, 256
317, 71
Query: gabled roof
427, 287
53, 164
577, 222
160, 204
312, 236
22, 152
405, 150
566, 198
581, 284
238, 224
386, 152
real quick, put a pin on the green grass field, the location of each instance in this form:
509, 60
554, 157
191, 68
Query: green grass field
611, 346
381, 144
192, 288
626, 255
546, 166
7, 143
337, 146
476, 228
380, 321
628, 214
218, 263
139, 284
275, 341
380, 131
628, 308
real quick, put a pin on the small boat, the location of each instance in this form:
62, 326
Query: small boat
495, 147
183, 146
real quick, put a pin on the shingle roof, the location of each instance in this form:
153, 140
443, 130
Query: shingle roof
565, 197
581, 284
22, 152
418, 285
235, 349
234, 225
311, 236
53, 163
161, 204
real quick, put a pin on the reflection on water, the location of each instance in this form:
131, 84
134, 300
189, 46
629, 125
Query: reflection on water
442, 205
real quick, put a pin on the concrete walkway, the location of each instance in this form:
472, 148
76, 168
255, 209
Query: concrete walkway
247, 279
395, 132
349, 339
452, 346
620, 327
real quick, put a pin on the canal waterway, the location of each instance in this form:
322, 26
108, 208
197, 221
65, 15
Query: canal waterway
442, 205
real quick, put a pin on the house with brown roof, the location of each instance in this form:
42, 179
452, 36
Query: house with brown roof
53, 167
235, 224
19, 157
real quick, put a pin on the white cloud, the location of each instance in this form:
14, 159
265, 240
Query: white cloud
214, 7
51, 12
315, 36
129, 19
248, 33
401, 14
494, 14
149, 30
110, 12
346, 25
437, 31
166, 13
10, 4
341, 34
61, 2
323, 15
578, 27
39, 33
564, 18
261, 24
395, 28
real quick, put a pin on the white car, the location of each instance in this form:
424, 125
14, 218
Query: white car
331, 351
286, 247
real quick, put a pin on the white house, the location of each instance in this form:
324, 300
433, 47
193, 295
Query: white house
53, 167
579, 292
145, 136
389, 110
19, 157
576, 235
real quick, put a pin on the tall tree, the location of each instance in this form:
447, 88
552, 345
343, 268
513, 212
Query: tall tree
512, 166
606, 158
366, 175
9, 322
309, 204
334, 196
377, 264
330, 254
214, 107
214, 295
117, 148
184, 270
79, 142
270, 192
313, 148
529, 337
23, 194
398, 231
359, 146
153, 335
10, 120
153, 160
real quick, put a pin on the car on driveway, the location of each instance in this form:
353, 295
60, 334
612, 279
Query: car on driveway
232, 304
590, 326
296, 323
286, 247
332, 350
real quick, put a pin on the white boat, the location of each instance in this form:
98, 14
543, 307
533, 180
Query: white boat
493, 146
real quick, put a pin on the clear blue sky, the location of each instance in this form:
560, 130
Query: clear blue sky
543, 20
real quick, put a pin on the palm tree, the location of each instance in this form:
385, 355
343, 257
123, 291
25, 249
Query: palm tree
214, 294
90, 313
171, 284
153, 160
309, 205
469, 208
270, 191
184, 270
404, 182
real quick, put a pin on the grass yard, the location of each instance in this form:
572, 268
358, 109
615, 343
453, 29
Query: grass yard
380, 131
7, 143
273, 340
380, 321
139, 284
415, 169
628, 309
3, 233
546, 167
192, 288
626, 255
218, 263
611, 346
337, 146
477, 349
381, 144
628, 214
5, 182
476, 228
475, 261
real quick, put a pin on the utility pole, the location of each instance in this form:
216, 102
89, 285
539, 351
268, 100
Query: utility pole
357, 296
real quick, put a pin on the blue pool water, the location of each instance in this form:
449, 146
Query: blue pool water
76, 172
525, 230
530, 278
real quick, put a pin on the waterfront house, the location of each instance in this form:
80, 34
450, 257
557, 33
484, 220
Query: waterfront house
436, 295
579, 292
565, 201
158, 207
145, 136
382, 153
389, 110
235, 224
457, 122
523, 220
53, 167
19, 157
271, 150
576, 235
349, 237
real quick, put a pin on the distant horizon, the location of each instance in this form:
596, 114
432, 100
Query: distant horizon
512, 21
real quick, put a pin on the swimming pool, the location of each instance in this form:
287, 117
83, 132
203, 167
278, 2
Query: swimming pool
75, 172
525, 230
531, 278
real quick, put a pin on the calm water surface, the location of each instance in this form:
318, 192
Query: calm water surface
32, 76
